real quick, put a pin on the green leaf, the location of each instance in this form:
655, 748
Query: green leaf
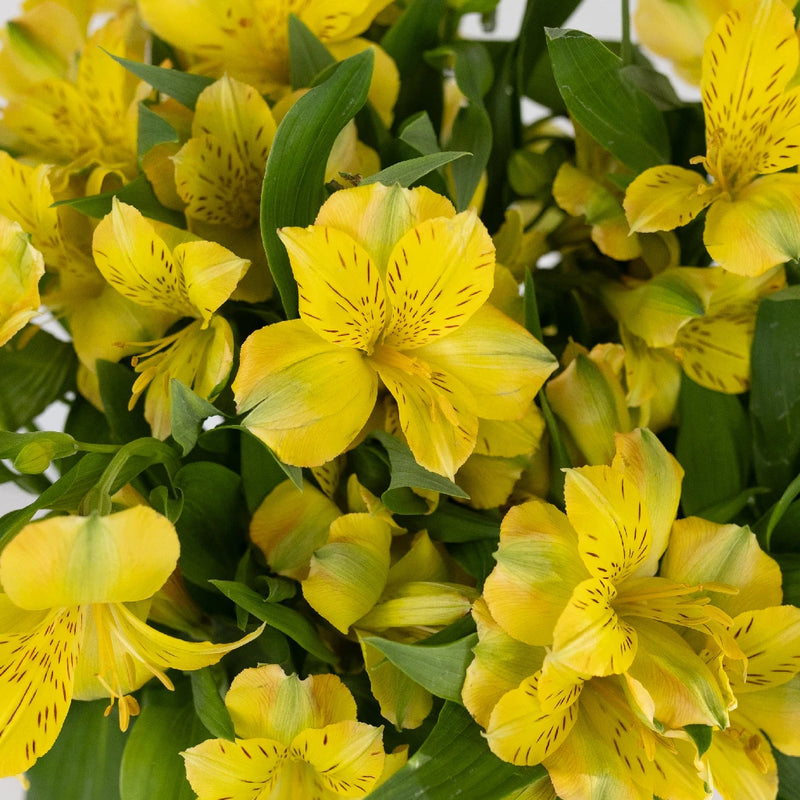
32, 453
654, 84
209, 706
455, 523
455, 755
262, 470
410, 171
775, 390
713, 447
185, 87
116, 385
35, 372
294, 474
152, 130
209, 528
790, 568
701, 736
84, 762
618, 115
138, 193
186, 415
308, 56
788, 776
440, 669
476, 557
416, 31
407, 473
151, 764
284, 619
726, 510
419, 133
293, 188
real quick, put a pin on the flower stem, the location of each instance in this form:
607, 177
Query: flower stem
626, 48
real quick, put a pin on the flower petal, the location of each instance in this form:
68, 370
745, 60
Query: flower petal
665, 197
501, 364
36, 680
21, 266
742, 765
440, 273
307, 399
69, 561
340, 293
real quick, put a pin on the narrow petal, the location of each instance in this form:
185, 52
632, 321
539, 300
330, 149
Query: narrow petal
758, 228
347, 756
437, 412
605, 507
36, 679
501, 364
663, 198
307, 399
440, 273
70, 561
340, 293
240, 770
347, 575
538, 566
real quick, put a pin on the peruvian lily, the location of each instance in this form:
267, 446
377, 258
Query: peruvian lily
21, 266
392, 288
77, 591
295, 738
191, 279
752, 129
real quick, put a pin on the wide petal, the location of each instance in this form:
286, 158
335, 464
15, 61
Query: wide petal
605, 507
440, 273
665, 197
347, 756
69, 561
705, 552
307, 399
347, 575
36, 678
501, 364
538, 566
758, 228
742, 765
340, 293
21, 266
774, 711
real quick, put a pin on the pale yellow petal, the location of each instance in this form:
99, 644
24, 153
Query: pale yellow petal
21, 266
774, 711
742, 765
66, 561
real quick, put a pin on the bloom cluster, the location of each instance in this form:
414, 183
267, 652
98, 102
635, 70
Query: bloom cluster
411, 450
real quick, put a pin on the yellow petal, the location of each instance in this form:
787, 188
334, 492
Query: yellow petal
705, 552
605, 508
340, 293
290, 525
440, 273
489, 480
347, 756
378, 216
509, 438
501, 364
773, 711
218, 768
307, 399
742, 765
347, 575
403, 701
36, 687
757, 229
264, 701
67, 561
334, 20
424, 561
538, 566
521, 732
663, 198
589, 637
21, 266
501, 663
436, 410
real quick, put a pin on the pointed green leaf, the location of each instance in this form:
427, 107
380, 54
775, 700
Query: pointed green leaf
153, 129
209, 706
187, 412
410, 171
185, 87
308, 56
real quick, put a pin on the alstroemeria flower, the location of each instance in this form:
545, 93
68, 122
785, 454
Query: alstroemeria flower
295, 738
72, 623
21, 266
192, 279
752, 129
393, 287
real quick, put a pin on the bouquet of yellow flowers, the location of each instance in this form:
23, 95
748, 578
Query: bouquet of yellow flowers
415, 447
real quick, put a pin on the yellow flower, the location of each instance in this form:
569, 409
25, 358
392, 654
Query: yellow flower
21, 266
191, 279
77, 593
295, 738
752, 129
392, 287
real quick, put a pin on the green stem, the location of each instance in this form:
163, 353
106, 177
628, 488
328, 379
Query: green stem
627, 49
88, 447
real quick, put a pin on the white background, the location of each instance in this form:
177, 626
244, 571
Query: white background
600, 17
